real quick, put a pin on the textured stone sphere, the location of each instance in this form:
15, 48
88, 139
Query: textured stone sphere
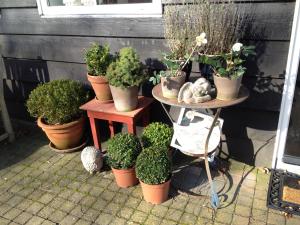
91, 159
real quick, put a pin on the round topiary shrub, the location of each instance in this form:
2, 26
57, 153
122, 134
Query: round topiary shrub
157, 134
122, 151
127, 70
97, 59
153, 166
57, 102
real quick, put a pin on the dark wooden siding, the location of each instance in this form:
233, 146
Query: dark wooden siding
39, 49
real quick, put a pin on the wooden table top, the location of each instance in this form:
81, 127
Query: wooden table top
212, 104
109, 108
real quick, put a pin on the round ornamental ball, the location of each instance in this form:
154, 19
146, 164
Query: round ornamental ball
91, 159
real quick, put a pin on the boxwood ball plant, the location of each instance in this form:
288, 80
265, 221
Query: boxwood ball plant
127, 70
122, 151
58, 101
153, 166
97, 59
157, 134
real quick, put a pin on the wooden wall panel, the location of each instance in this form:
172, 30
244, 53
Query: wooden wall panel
71, 49
272, 22
17, 3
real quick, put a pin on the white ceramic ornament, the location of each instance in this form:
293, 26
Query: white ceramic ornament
91, 159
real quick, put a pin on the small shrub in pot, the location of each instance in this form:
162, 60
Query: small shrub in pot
56, 105
153, 169
157, 134
122, 152
97, 59
124, 76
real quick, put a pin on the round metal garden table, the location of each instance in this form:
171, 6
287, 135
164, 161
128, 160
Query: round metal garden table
212, 104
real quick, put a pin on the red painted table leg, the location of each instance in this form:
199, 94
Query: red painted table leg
131, 128
146, 117
95, 133
111, 128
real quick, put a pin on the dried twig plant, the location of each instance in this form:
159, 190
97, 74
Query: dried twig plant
222, 21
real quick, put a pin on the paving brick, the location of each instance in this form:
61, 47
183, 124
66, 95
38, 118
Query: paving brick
35, 220
242, 210
223, 217
88, 201
112, 208
133, 202
159, 210
82, 222
152, 220
25, 204
259, 215
23, 218
145, 207
104, 219
35, 207
125, 212
238, 220
57, 216
259, 204
100, 204
90, 215
46, 212
118, 221
67, 206
68, 220
173, 214
108, 195
295, 220
46, 198
188, 219
275, 219
138, 217
12, 213
4, 208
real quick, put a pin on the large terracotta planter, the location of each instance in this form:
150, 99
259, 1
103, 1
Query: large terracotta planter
125, 99
64, 136
100, 87
156, 193
227, 89
171, 85
125, 177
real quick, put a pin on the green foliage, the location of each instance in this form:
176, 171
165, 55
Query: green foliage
153, 166
229, 65
157, 134
122, 151
127, 70
58, 101
97, 59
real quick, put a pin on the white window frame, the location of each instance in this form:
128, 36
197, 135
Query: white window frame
288, 96
153, 9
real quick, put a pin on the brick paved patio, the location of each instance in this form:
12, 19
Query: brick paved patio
39, 186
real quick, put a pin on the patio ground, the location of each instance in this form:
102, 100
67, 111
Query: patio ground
39, 186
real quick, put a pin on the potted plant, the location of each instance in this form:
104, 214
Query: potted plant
228, 70
153, 169
56, 105
124, 76
97, 59
173, 78
157, 134
122, 152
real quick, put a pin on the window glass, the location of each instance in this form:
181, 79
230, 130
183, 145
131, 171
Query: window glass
92, 2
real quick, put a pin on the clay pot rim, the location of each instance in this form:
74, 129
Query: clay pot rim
101, 79
226, 78
43, 125
156, 185
123, 170
181, 75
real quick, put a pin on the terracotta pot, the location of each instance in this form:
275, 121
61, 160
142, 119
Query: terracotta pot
156, 193
171, 85
125, 177
227, 89
100, 87
125, 99
64, 136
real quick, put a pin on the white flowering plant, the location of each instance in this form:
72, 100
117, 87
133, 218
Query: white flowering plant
229, 64
174, 68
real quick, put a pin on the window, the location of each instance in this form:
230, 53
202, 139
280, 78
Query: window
100, 8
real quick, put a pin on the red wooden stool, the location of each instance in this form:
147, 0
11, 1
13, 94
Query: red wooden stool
107, 111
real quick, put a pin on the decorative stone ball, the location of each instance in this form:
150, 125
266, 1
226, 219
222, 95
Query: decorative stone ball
91, 159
